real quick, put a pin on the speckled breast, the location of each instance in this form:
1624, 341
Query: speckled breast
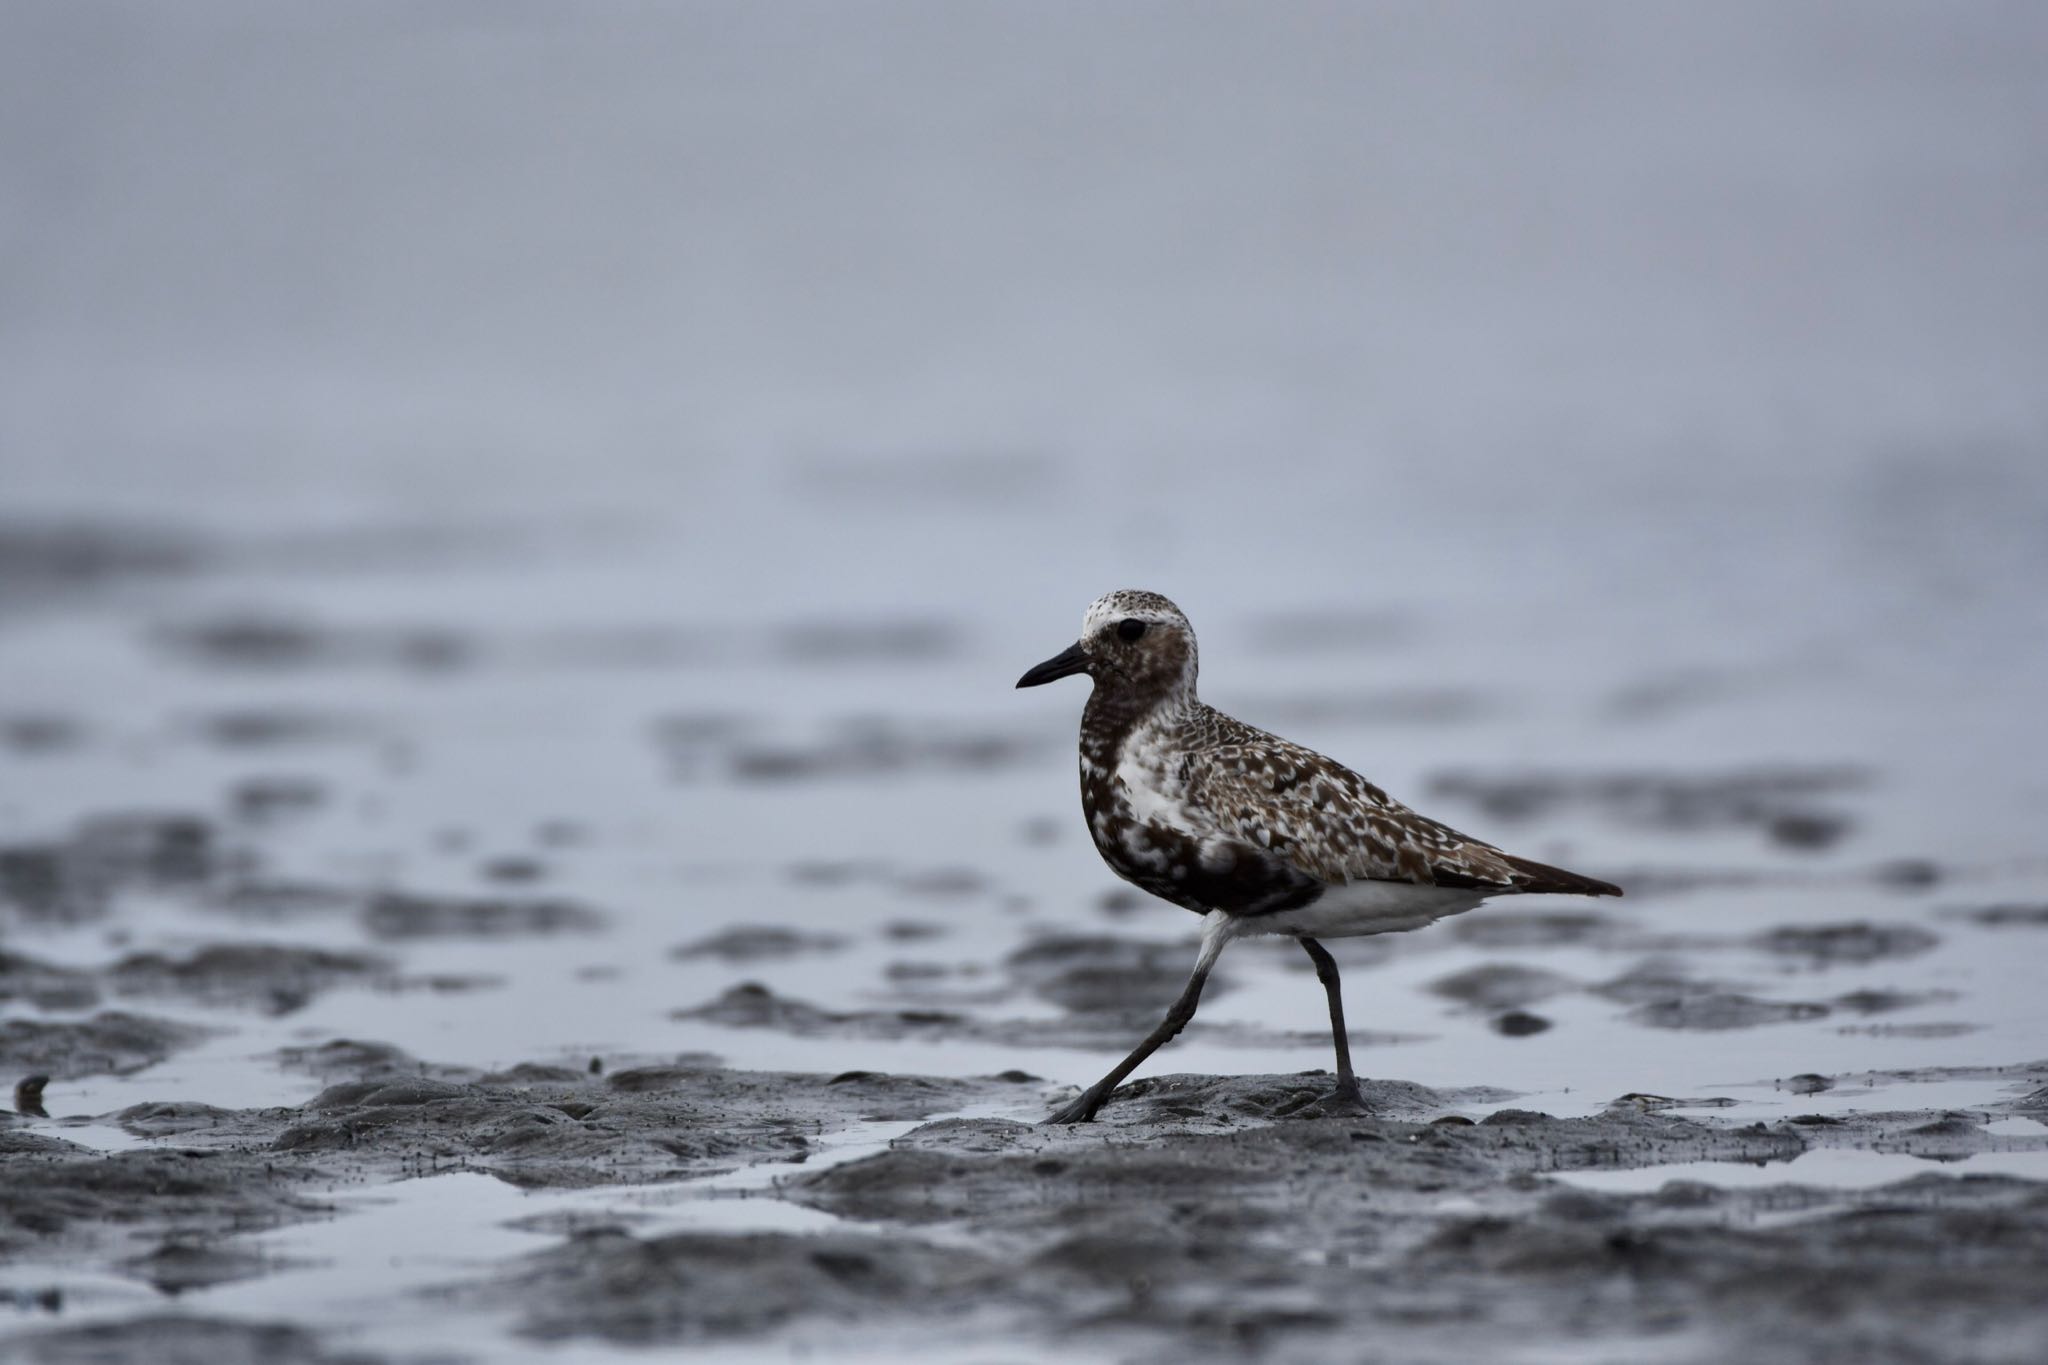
1171, 865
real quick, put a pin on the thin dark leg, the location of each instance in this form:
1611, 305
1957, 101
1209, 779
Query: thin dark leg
1326, 972
1216, 932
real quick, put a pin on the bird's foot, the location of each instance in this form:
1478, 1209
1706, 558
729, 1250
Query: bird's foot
1349, 1095
1082, 1110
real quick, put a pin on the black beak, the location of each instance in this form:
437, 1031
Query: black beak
1064, 665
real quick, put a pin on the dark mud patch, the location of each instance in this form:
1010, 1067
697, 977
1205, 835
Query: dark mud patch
1666, 995
274, 978
913, 930
126, 1204
77, 878
1256, 1155
1853, 943
757, 943
847, 747
356, 1057
1784, 803
2008, 915
610, 1285
45, 985
181, 1264
280, 900
513, 869
1104, 974
48, 561
1520, 1024
273, 644
169, 1214
550, 1134
939, 883
1515, 930
1863, 1277
1496, 986
2019, 1077
942, 883
272, 799
275, 727
400, 915
1929, 1030
753, 1005
1724, 1010
38, 734
540, 1125
799, 644
1888, 1002
178, 1339
112, 1042
1213, 1219
1235, 1100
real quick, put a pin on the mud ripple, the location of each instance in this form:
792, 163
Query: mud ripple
394, 915
112, 1042
180, 1339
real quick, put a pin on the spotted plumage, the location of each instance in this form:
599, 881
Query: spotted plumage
1257, 834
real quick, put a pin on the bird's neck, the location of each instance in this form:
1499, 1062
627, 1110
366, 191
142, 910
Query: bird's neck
1114, 713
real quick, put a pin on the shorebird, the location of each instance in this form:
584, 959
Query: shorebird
1253, 833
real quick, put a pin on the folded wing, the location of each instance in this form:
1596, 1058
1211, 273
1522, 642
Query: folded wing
1327, 821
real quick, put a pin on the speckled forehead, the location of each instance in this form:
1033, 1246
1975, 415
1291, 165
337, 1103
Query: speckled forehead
1129, 602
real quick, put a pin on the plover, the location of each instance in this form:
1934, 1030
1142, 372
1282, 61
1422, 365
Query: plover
1256, 835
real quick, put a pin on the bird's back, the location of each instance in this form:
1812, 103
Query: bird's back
1247, 791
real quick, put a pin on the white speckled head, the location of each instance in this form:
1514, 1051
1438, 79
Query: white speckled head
1141, 644
1135, 645
1132, 604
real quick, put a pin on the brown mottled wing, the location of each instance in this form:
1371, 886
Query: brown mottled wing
1323, 819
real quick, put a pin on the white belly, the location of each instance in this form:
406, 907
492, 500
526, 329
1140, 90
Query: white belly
1367, 908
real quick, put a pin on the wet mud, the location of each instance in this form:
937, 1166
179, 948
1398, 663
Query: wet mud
1201, 1217
178, 1214
1214, 1218
368, 996
402, 915
272, 978
1204, 1216
179, 1339
110, 1042
79, 877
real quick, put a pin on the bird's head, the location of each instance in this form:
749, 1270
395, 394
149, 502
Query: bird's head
1131, 641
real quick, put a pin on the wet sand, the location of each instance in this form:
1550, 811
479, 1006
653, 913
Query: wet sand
1203, 1217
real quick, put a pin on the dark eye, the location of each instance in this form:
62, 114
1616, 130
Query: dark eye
1130, 628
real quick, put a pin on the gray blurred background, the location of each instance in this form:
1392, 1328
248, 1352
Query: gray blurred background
1355, 262
1636, 384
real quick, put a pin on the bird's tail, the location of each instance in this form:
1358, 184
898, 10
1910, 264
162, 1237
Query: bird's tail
1545, 879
